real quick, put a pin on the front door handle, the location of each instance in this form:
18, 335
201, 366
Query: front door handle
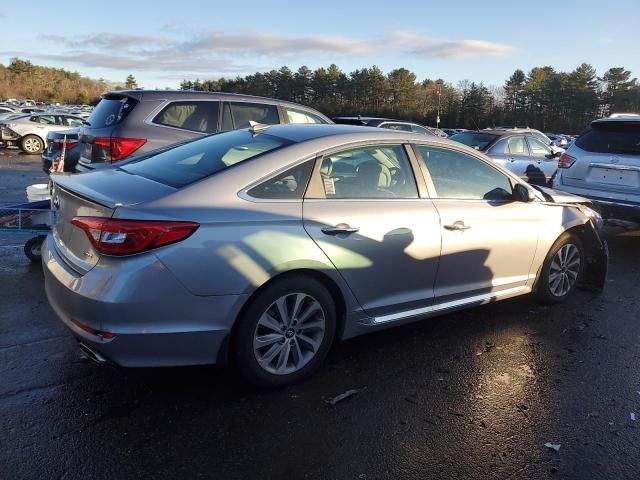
457, 226
338, 229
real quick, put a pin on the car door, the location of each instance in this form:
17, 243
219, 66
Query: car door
542, 163
364, 211
488, 240
513, 154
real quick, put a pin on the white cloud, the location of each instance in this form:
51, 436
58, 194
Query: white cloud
216, 52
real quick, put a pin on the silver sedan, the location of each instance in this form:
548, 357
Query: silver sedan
263, 246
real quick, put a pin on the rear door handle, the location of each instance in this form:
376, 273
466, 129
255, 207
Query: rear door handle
457, 226
340, 228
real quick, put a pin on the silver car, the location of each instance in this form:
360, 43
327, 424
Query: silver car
262, 246
603, 164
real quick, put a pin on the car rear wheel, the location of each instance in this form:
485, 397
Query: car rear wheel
285, 333
562, 269
32, 144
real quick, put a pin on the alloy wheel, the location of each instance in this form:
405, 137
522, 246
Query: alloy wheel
289, 333
564, 270
32, 145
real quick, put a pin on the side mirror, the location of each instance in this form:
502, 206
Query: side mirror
521, 193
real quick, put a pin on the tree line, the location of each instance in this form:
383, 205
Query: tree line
21, 80
543, 98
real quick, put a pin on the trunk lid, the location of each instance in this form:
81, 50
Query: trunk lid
97, 194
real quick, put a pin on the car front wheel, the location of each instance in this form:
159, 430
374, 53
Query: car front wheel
285, 333
561, 270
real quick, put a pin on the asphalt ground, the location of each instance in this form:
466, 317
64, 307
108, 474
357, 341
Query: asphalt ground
475, 394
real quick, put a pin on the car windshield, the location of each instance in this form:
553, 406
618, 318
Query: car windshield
479, 141
204, 157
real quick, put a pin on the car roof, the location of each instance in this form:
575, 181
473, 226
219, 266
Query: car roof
194, 95
306, 132
372, 119
618, 118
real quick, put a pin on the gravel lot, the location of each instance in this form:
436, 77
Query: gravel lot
474, 394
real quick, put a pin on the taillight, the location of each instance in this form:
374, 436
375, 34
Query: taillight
119, 148
113, 236
70, 144
565, 161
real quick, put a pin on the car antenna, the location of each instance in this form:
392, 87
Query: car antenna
255, 127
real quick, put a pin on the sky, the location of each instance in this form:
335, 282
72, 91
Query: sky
163, 42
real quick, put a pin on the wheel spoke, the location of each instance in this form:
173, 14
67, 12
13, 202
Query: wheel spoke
297, 353
269, 322
314, 307
270, 355
300, 297
311, 342
281, 304
315, 324
283, 358
265, 340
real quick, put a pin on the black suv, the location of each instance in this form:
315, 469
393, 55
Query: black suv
138, 121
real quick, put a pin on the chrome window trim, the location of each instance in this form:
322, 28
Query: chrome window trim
615, 166
244, 192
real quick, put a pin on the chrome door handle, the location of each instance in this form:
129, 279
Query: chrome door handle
457, 226
340, 228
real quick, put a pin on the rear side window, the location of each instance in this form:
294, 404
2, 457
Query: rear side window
299, 116
197, 116
202, 158
611, 138
516, 146
290, 184
111, 111
243, 112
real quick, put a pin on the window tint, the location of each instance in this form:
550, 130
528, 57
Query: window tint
479, 141
538, 149
290, 184
421, 130
461, 176
299, 116
612, 138
72, 122
197, 116
44, 119
196, 160
516, 146
397, 126
111, 110
369, 172
243, 113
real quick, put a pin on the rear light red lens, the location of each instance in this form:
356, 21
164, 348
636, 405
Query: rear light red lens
565, 161
70, 144
119, 148
114, 236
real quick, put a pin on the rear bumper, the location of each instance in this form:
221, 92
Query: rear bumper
609, 204
154, 320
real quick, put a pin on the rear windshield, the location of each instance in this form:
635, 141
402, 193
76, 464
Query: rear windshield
479, 141
611, 138
202, 158
111, 111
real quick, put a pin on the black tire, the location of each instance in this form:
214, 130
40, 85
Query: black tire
32, 144
32, 249
242, 342
544, 291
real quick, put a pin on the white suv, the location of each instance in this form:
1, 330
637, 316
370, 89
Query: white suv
603, 164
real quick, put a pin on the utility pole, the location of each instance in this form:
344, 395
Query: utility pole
439, 92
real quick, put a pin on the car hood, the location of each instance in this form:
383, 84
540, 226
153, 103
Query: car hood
562, 197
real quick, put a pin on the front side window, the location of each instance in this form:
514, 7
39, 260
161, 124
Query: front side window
244, 112
378, 171
202, 158
197, 116
516, 146
299, 116
72, 122
538, 149
290, 184
461, 176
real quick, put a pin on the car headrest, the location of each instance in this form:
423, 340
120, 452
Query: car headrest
326, 169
